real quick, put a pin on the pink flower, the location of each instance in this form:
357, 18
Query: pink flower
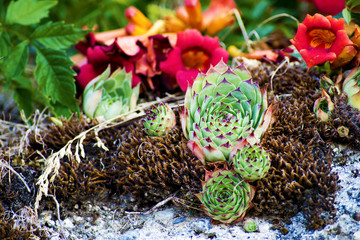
332, 7
191, 54
320, 39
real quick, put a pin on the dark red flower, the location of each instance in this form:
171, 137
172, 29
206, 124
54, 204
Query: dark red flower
99, 56
320, 39
191, 54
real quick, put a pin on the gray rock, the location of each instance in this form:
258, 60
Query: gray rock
164, 216
201, 226
68, 224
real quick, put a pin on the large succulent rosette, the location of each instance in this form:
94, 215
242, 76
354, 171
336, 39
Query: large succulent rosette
225, 196
221, 109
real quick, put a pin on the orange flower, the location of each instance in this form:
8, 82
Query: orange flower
320, 39
218, 16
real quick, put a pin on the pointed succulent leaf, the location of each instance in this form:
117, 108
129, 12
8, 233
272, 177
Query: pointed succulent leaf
351, 87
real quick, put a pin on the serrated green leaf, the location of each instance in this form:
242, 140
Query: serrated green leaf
55, 78
347, 15
16, 61
27, 12
58, 35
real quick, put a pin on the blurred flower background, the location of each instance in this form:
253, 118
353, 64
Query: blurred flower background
163, 44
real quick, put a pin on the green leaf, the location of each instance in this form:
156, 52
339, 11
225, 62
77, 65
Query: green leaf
57, 35
27, 12
347, 15
23, 98
4, 45
55, 78
16, 61
352, 3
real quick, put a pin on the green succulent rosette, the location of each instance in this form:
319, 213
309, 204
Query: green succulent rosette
108, 96
159, 120
351, 87
221, 109
225, 196
250, 161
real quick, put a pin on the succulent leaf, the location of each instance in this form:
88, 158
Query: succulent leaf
222, 108
225, 196
323, 106
159, 120
351, 87
108, 96
250, 161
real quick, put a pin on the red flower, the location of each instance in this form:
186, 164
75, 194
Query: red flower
191, 54
320, 39
123, 52
332, 7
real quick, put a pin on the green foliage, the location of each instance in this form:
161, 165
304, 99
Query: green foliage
259, 18
352, 11
26, 33
27, 12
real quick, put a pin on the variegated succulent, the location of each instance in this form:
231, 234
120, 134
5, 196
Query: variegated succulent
323, 106
159, 120
225, 196
351, 87
222, 108
250, 161
107, 96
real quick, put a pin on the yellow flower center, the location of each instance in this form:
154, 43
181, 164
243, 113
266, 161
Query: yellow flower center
195, 59
321, 38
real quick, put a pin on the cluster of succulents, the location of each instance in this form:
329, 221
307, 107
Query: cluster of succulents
350, 86
224, 117
108, 96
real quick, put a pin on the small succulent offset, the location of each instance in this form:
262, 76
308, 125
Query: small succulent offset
250, 225
106, 97
221, 109
351, 87
225, 196
159, 120
323, 106
250, 161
